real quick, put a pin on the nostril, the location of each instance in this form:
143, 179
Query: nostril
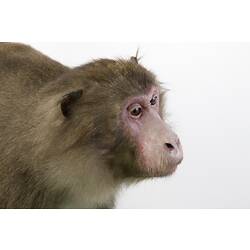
169, 146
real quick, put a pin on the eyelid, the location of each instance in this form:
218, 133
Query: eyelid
133, 105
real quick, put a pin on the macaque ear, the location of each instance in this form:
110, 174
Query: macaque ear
69, 100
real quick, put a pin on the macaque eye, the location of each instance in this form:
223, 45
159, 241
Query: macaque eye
135, 111
153, 100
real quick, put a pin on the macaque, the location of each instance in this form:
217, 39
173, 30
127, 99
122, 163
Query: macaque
71, 137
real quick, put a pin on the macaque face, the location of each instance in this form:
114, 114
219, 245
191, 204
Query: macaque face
158, 148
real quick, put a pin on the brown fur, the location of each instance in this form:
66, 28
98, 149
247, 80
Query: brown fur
48, 160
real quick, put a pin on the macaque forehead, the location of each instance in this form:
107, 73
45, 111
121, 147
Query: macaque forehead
144, 97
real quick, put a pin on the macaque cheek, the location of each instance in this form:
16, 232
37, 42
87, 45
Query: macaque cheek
149, 154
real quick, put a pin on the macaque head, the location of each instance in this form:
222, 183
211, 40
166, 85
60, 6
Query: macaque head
119, 108
157, 148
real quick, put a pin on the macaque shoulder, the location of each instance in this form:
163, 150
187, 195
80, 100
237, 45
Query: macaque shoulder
27, 64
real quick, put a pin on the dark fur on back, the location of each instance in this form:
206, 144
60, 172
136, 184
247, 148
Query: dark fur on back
37, 140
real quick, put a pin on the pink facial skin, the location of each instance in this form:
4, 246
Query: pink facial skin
158, 148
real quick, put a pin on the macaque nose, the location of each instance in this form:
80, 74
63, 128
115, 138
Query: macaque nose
174, 150
169, 146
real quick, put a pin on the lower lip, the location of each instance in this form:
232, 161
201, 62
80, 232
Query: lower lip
172, 169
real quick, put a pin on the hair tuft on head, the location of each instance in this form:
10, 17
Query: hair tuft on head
135, 58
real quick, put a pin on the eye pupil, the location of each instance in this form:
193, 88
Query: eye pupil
153, 100
136, 111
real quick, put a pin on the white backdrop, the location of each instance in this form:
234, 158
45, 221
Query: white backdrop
209, 106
